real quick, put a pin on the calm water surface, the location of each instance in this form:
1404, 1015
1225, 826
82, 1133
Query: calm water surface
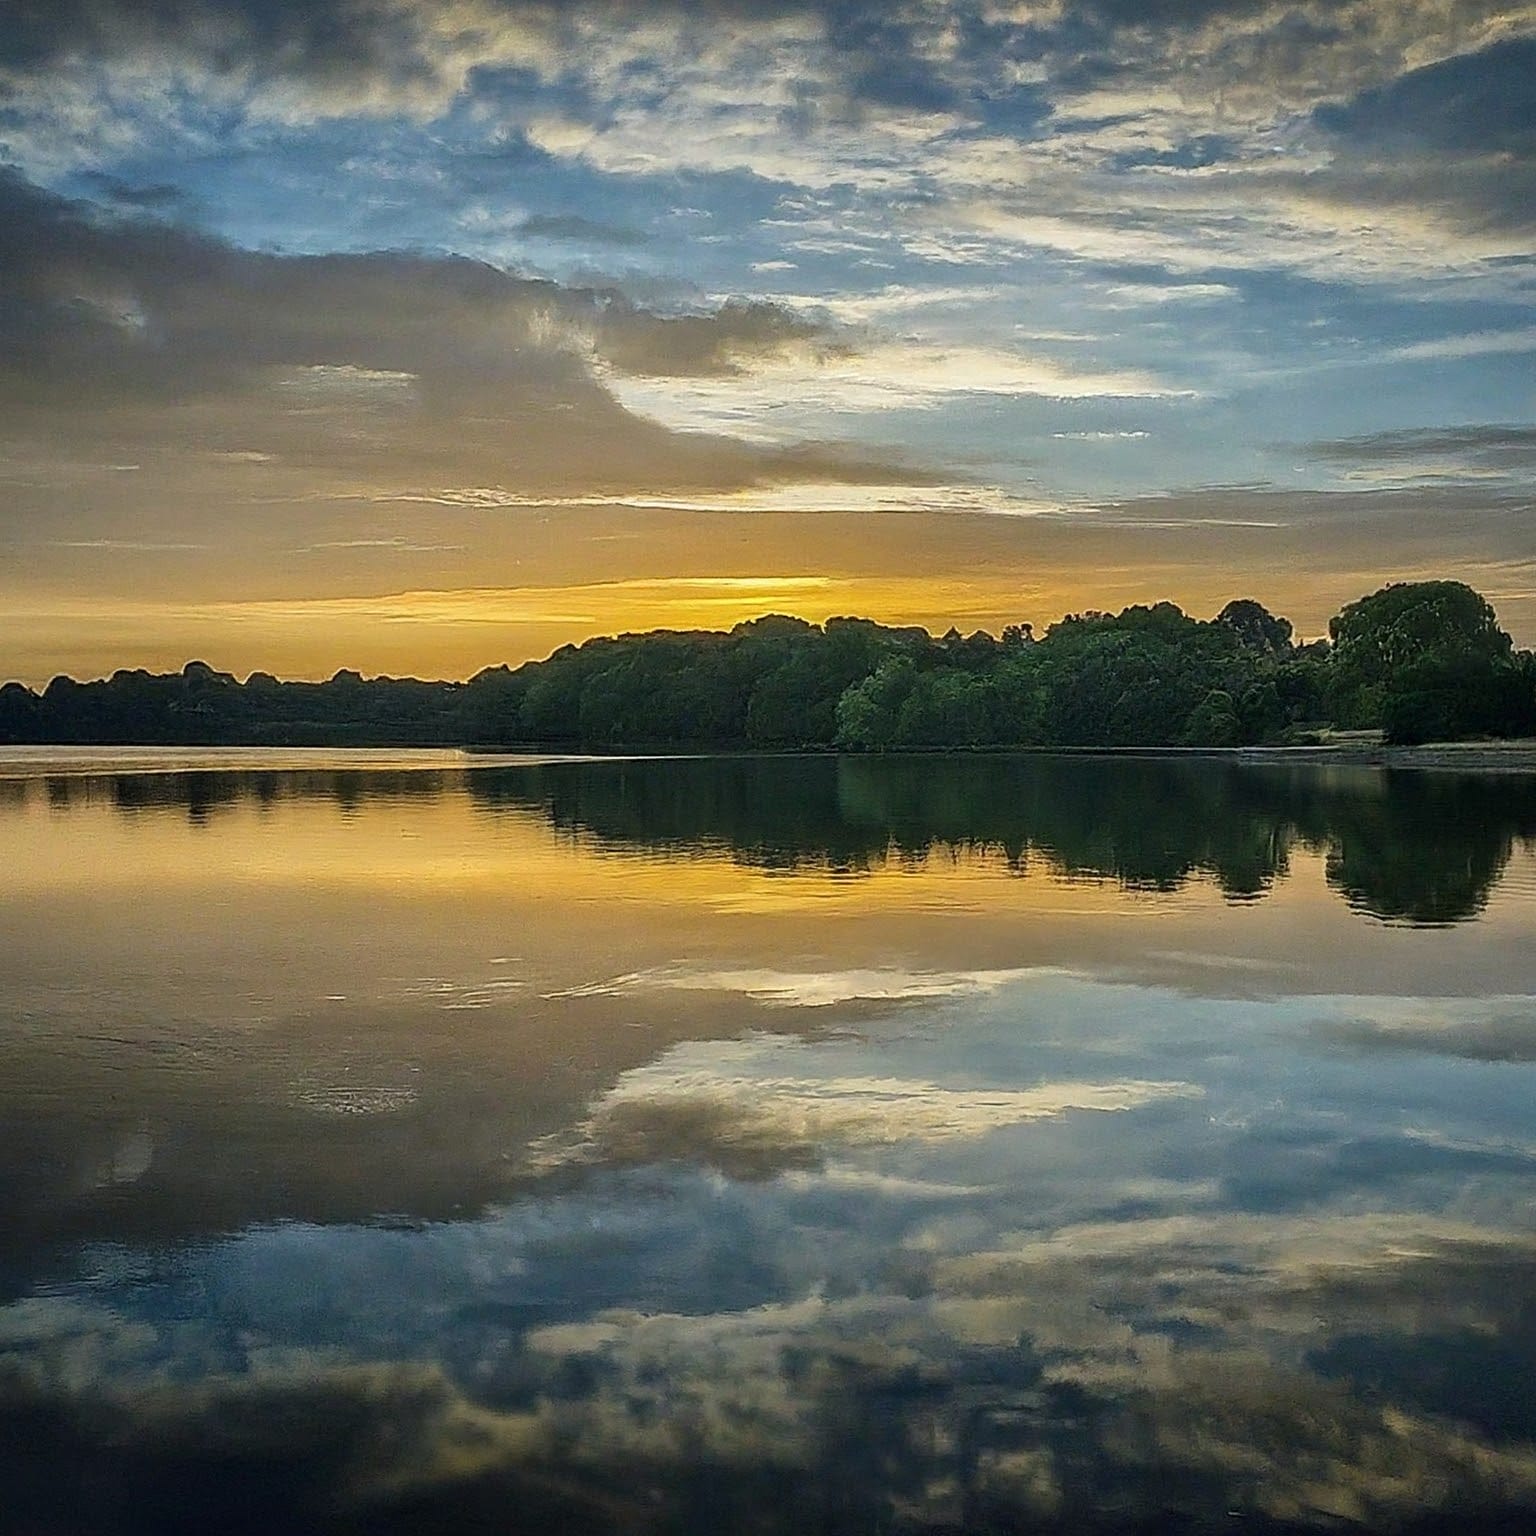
764, 1145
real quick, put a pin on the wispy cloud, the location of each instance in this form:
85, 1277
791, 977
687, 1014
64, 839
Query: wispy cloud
880, 377
810, 496
122, 546
1471, 344
1493, 452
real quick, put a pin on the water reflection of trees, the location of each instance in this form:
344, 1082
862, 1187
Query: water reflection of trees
201, 795
1429, 849
1414, 848
1404, 847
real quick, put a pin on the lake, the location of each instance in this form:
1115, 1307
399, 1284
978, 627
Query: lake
407, 1142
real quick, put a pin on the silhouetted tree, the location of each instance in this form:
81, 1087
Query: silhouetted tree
1424, 660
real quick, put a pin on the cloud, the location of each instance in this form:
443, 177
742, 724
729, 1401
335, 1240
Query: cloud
1491, 451
1137, 295
1413, 442
1473, 103
913, 56
772, 396
1470, 344
121, 546
381, 368
1100, 436
575, 227
124, 307
1452, 140
155, 197
1334, 138
724, 343
1342, 141
808, 496
894, 299
395, 545
731, 84
329, 58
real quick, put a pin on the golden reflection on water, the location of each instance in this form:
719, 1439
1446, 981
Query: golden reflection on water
320, 868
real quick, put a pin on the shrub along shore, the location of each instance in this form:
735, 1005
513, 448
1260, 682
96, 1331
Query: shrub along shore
1416, 661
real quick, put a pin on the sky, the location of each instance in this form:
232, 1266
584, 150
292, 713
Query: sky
418, 336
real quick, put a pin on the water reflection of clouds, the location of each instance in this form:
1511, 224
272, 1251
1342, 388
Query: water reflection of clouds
1137, 1368
1480, 1029
807, 989
769, 1102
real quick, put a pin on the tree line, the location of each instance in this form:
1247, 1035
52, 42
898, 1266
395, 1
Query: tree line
1421, 661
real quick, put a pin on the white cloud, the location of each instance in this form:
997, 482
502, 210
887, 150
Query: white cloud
806, 496
1136, 295
804, 387
1100, 437
897, 299
1241, 219
1472, 344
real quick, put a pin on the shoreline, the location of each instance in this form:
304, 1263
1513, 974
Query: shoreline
1516, 756
1441, 757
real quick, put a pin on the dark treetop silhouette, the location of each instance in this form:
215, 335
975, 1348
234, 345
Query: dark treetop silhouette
1423, 661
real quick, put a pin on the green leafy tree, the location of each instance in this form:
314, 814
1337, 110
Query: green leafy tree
946, 707
1213, 722
1256, 628
868, 712
1382, 644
